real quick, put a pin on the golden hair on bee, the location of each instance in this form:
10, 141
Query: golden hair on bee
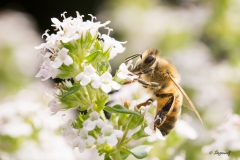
160, 78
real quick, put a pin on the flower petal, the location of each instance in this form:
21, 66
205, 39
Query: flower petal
96, 84
106, 88
79, 76
148, 131
94, 115
88, 70
96, 81
90, 141
57, 63
75, 141
118, 133
111, 140
122, 75
46, 78
85, 80
107, 130
115, 85
159, 135
101, 140
68, 60
81, 145
63, 52
100, 123
90, 125
106, 77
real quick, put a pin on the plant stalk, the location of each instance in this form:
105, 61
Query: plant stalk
116, 155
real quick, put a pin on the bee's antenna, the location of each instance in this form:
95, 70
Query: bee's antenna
132, 57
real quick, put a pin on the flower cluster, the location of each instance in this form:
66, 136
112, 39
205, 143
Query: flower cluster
25, 126
226, 135
79, 55
104, 81
86, 137
59, 49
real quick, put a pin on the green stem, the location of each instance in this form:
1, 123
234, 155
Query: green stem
128, 140
123, 138
91, 93
116, 155
103, 116
87, 94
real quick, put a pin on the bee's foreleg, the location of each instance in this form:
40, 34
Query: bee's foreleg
128, 82
146, 84
145, 71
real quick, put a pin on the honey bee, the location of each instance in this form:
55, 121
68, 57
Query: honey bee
161, 79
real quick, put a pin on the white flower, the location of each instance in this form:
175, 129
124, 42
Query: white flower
96, 81
105, 82
188, 132
52, 42
124, 73
55, 105
70, 134
67, 128
84, 140
226, 136
115, 46
110, 135
67, 83
153, 133
86, 75
68, 30
93, 121
61, 58
15, 127
156, 134
46, 70
94, 26
181, 156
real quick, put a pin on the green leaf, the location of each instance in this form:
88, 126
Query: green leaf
102, 67
68, 71
140, 133
107, 157
71, 91
124, 154
140, 151
120, 109
98, 45
123, 120
92, 56
135, 121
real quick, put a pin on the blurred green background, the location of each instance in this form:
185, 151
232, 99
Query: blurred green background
200, 37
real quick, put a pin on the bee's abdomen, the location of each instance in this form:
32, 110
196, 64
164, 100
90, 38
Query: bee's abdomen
170, 121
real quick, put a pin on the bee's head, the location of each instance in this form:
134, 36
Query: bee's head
145, 61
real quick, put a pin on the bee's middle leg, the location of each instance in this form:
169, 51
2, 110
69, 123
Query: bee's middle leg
147, 103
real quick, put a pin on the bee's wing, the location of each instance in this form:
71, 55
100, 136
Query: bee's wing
186, 96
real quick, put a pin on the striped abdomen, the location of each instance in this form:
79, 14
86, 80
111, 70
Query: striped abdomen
170, 121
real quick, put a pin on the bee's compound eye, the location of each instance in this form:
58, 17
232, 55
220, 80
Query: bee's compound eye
149, 59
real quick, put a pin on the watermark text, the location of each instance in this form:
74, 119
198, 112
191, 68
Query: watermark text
219, 153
